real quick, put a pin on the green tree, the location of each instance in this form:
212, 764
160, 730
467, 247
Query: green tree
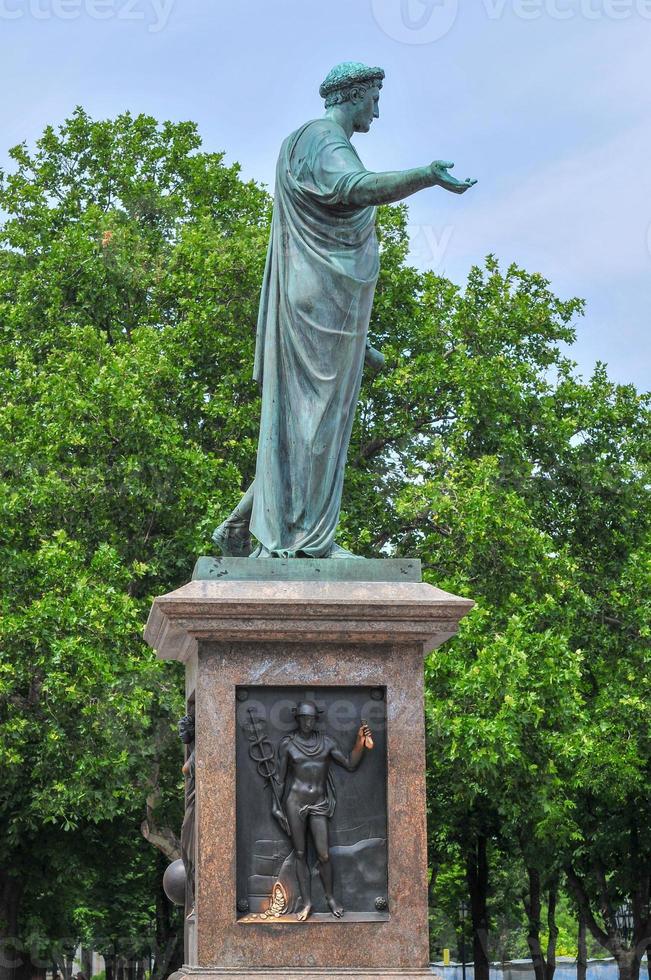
526, 488
128, 272
608, 528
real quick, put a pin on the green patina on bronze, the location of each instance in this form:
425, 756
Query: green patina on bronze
317, 294
307, 570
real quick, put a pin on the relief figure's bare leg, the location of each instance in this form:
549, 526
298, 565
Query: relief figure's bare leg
233, 537
298, 828
319, 828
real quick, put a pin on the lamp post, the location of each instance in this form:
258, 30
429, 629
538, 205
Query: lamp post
463, 912
624, 920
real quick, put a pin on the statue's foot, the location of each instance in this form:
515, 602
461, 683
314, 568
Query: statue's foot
336, 551
336, 909
233, 539
303, 913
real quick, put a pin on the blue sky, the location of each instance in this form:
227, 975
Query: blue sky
547, 102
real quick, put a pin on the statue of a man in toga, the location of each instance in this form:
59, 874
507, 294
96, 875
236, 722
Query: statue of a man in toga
315, 306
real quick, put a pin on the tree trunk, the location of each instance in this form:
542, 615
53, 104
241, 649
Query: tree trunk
109, 965
628, 960
87, 962
431, 887
628, 964
477, 877
13, 964
532, 908
552, 930
544, 967
582, 950
168, 953
69, 964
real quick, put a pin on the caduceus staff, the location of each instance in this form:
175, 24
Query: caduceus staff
262, 753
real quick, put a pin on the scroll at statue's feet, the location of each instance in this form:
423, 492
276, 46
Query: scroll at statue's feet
233, 540
303, 913
336, 909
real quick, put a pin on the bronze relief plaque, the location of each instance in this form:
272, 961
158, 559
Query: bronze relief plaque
311, 804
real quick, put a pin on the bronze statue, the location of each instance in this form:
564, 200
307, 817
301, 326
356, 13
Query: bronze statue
305, 799
315, 306
186, 734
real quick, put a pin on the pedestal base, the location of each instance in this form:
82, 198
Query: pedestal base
258, 638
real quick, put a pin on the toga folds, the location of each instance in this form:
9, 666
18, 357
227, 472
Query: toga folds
315, 306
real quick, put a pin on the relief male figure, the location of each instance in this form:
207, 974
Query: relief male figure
188, 830
315, 306
307, 798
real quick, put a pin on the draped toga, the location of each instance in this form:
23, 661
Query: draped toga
315, 306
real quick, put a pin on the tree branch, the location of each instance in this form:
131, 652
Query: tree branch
414, 525
160, 837
377, 445
578, 889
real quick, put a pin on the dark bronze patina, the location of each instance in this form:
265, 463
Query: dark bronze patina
304, 797
305, 758
186, 734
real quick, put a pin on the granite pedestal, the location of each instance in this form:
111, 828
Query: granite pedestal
244, 626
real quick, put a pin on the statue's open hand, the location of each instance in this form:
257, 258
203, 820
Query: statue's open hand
444, 179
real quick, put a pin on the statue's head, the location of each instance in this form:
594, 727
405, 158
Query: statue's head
307, 715
356, 89
186, 729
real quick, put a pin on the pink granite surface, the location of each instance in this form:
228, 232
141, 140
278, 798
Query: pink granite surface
400, 942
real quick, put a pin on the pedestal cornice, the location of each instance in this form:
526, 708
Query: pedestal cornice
298, 611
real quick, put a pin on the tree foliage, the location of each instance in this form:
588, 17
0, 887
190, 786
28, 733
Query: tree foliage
127, 278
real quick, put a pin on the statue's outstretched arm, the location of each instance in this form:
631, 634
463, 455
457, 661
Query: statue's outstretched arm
394, 185
352, 761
